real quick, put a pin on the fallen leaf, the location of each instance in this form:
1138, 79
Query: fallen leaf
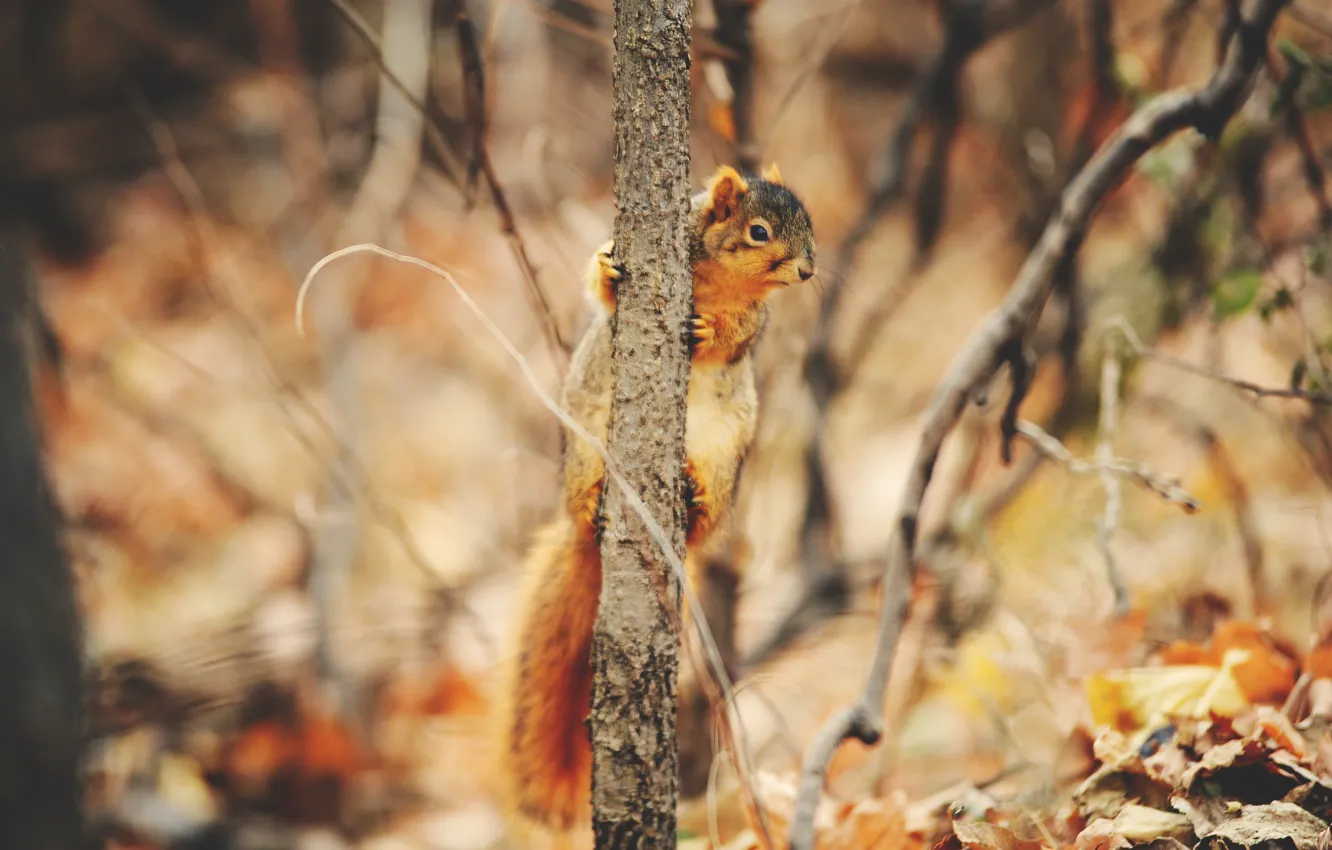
1276, 822
1315, 798
880, 824
1137, 697
1267, 674
989, 836
1204, 813
1143, 823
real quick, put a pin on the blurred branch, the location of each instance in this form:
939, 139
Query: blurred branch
1141, 350
1103, 48
1114, 495
1235, 490
704, 41
735, 33
1230, 25
969, 24
1172, 26
474, 84
388, 180
1208, 111
203, 241
415, 95
1313, 15
1297, 126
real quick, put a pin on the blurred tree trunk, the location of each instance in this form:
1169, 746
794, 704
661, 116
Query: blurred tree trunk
41, 712
635, 781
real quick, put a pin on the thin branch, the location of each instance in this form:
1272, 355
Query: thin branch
289, 399
1233, 486
1164, 486
474, 101
473, 75
735, 731
559, 348
1141, 350
969, 25
1114, 494
1208, 111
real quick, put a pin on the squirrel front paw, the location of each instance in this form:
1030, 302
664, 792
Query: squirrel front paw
697, 511
700, 332
607, 274
587, 510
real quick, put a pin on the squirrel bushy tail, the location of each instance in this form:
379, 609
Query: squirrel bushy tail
547, 753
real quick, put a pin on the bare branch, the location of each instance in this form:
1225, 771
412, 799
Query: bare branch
1208, 111
1114, 494
1167, 487
1141, 350
472, 72
970, 24
475, 106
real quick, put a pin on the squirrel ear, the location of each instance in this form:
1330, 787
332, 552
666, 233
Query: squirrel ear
772, 175
724, 192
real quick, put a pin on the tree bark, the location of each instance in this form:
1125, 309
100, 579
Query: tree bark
635, 782
41, 716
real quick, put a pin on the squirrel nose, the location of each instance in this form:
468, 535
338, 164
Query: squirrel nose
805, 271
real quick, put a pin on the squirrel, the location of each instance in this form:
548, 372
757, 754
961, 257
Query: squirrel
748, 237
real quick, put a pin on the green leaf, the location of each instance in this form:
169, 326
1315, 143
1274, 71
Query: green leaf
1234, 293
1294, 54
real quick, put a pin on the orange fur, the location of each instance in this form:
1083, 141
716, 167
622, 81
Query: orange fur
546, 747
547, 751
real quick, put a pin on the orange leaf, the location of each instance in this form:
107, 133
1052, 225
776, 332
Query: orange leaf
1268, 674
1319, 662
1187, 653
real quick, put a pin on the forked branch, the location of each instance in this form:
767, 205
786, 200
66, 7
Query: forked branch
1208, 111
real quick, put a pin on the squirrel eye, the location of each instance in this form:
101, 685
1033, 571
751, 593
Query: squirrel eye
758, 233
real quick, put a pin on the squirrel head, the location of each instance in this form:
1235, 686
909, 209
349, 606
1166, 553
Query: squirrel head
757, 227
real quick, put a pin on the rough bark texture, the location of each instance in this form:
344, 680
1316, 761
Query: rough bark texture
40, 668
634, 653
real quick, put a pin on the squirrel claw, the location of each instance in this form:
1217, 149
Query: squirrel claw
699, 331
695, 493
611, 271
696, 504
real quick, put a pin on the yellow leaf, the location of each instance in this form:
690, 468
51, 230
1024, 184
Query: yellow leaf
1136, 697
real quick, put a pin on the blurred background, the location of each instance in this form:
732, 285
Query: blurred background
298, 554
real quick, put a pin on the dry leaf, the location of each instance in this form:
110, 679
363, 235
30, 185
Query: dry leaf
1256, 825
1267, 674
989, 836
1142, 696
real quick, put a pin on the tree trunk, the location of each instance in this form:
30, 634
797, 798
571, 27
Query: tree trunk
635, 781
41, 716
